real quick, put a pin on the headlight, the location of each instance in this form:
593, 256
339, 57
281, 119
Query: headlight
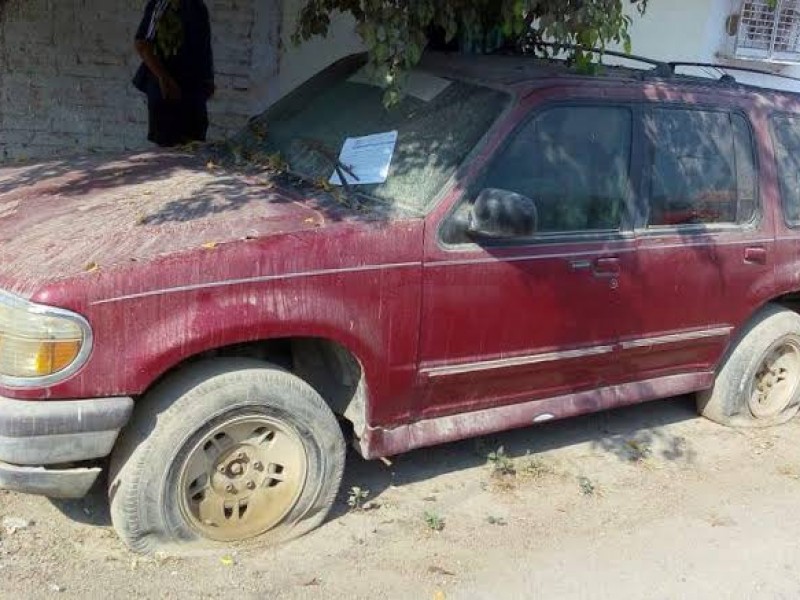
39, 345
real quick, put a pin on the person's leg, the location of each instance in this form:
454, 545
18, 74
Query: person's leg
165, 122
195, 120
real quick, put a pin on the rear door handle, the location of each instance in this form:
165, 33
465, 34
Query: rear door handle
606, 267
756, 255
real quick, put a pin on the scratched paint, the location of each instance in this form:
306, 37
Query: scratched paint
190, 260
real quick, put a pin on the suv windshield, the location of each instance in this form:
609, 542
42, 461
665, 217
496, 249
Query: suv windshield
438, 123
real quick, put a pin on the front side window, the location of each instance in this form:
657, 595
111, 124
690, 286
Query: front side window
786, 139
574, 163
701, 168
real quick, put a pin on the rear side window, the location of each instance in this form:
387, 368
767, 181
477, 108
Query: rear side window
786, 138
574, 161
701, 168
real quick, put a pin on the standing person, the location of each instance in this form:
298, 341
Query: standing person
177, 72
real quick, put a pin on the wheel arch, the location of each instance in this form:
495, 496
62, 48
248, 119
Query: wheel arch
328, 365
789, 300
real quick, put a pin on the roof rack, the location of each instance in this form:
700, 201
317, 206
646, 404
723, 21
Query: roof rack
724, 68
666, 69
662, 68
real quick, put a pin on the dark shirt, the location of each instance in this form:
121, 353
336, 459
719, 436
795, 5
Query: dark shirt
192, 66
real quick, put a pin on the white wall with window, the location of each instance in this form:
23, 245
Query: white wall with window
743, 33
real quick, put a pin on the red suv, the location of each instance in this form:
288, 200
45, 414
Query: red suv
524, 243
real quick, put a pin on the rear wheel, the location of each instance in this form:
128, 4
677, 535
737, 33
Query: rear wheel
231, 450
759, 382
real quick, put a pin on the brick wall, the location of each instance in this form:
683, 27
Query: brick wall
66, 65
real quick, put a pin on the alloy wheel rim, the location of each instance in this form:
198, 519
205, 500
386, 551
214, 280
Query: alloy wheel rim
775, 382
242, 478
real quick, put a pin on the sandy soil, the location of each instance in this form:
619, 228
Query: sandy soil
645, 502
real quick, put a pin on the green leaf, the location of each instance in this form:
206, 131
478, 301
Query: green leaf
395, 33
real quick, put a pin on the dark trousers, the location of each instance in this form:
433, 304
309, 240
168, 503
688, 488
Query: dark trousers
172, 123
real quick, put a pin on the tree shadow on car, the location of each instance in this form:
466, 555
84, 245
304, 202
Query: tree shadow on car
178, 188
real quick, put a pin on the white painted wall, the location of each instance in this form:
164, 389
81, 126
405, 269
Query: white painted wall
694, 30
673, 30
298, 63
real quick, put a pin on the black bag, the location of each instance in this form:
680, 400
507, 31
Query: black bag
141, 78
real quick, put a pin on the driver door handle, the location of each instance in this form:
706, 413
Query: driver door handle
606, 267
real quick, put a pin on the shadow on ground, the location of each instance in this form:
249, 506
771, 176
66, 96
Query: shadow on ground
624, 433
91, 510
621, 433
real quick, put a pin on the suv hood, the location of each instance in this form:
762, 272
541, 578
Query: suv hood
61, 218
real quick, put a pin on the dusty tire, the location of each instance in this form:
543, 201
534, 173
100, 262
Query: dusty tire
155, 506
758, 384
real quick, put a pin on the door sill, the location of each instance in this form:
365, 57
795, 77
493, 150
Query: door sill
382, 442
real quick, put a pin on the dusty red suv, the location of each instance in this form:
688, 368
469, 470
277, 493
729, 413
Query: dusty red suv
534, 244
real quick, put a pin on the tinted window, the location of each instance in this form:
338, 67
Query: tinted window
786, 136
701, 169
574, 162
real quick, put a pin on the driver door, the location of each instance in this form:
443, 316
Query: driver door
514, 320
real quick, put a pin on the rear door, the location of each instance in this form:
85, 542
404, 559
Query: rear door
784, 133
702, 242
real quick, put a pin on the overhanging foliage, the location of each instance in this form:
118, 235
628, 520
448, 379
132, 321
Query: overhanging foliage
396, 32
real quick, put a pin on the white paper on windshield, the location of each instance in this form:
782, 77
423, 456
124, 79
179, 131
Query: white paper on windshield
368, 157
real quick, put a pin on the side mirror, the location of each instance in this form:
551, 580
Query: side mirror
498, 214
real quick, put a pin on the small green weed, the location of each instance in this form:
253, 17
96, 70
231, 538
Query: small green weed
502, 465
637, 451
434, 521
535, 468
587, 487
357, 497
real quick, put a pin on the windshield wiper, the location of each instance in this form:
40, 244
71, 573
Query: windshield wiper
338, 166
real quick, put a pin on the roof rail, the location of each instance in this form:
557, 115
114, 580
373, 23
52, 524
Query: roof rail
724, 68
662, 68
666, 70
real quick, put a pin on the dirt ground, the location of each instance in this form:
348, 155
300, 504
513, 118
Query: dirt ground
645, 502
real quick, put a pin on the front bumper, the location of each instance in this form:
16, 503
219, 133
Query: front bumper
38, 437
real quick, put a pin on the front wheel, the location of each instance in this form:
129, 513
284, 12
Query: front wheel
230, 450
759, 382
